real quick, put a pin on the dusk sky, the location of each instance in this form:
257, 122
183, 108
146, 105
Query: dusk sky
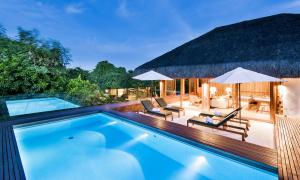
129, 33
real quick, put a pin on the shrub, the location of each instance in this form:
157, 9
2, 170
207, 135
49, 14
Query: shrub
86, 92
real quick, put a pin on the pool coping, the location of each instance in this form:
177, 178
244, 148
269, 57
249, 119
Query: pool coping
260, 157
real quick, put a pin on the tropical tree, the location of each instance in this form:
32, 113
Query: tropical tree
87, 92
75, 72
30, 65
107, 76
102, 72
29, 37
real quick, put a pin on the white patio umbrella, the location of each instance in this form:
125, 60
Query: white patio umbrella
151, 76
241, 75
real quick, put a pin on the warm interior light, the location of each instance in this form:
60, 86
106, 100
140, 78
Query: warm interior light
205, 87
212, 91
282, 90
228, 90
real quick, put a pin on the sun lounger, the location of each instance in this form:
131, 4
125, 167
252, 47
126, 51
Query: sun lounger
220, 124
149, 109
241, 121
162, 103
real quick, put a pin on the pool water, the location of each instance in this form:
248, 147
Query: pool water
28, 106
100, 146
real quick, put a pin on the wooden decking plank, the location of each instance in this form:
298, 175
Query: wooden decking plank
296, 146
11, 174
286, 151
278, 146
1, 153
5, 157
288, 145
288, 148
11, 155
18, 162
17, 172
20, 165
281, 152
287, 164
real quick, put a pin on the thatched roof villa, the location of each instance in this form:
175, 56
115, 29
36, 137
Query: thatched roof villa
269, 45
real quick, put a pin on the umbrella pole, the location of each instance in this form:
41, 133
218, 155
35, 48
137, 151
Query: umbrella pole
151, 90
240, 113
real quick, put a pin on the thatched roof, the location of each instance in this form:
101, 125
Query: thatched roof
269, 45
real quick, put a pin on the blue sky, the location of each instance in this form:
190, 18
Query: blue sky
129, 32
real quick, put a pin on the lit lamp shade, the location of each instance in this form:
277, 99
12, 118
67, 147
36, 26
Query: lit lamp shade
228, 90
212, 91
282, 90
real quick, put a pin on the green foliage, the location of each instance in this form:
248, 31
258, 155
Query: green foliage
107, 76
87, 92
75, 72
29, 65
136, 83
41, 52
29, 37
18, 76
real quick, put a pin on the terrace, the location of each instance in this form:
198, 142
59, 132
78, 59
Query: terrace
283, 157
260, 133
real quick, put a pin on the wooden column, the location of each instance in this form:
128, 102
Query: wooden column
165, 88
193, 90
162, 88
235, 95
190, 86
181, 91
196, 86
273, 102
175, 87
205, 95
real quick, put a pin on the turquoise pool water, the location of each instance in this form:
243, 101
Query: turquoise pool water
100, 146
28, 106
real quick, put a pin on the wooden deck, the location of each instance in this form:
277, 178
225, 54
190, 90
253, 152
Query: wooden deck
10, 162
11, 166
287, 132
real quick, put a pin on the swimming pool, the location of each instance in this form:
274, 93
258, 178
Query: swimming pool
100, 146
28, 106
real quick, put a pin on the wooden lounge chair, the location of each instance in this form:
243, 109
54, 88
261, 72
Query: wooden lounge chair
148, 108
221, 124
241, 121
162, 103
